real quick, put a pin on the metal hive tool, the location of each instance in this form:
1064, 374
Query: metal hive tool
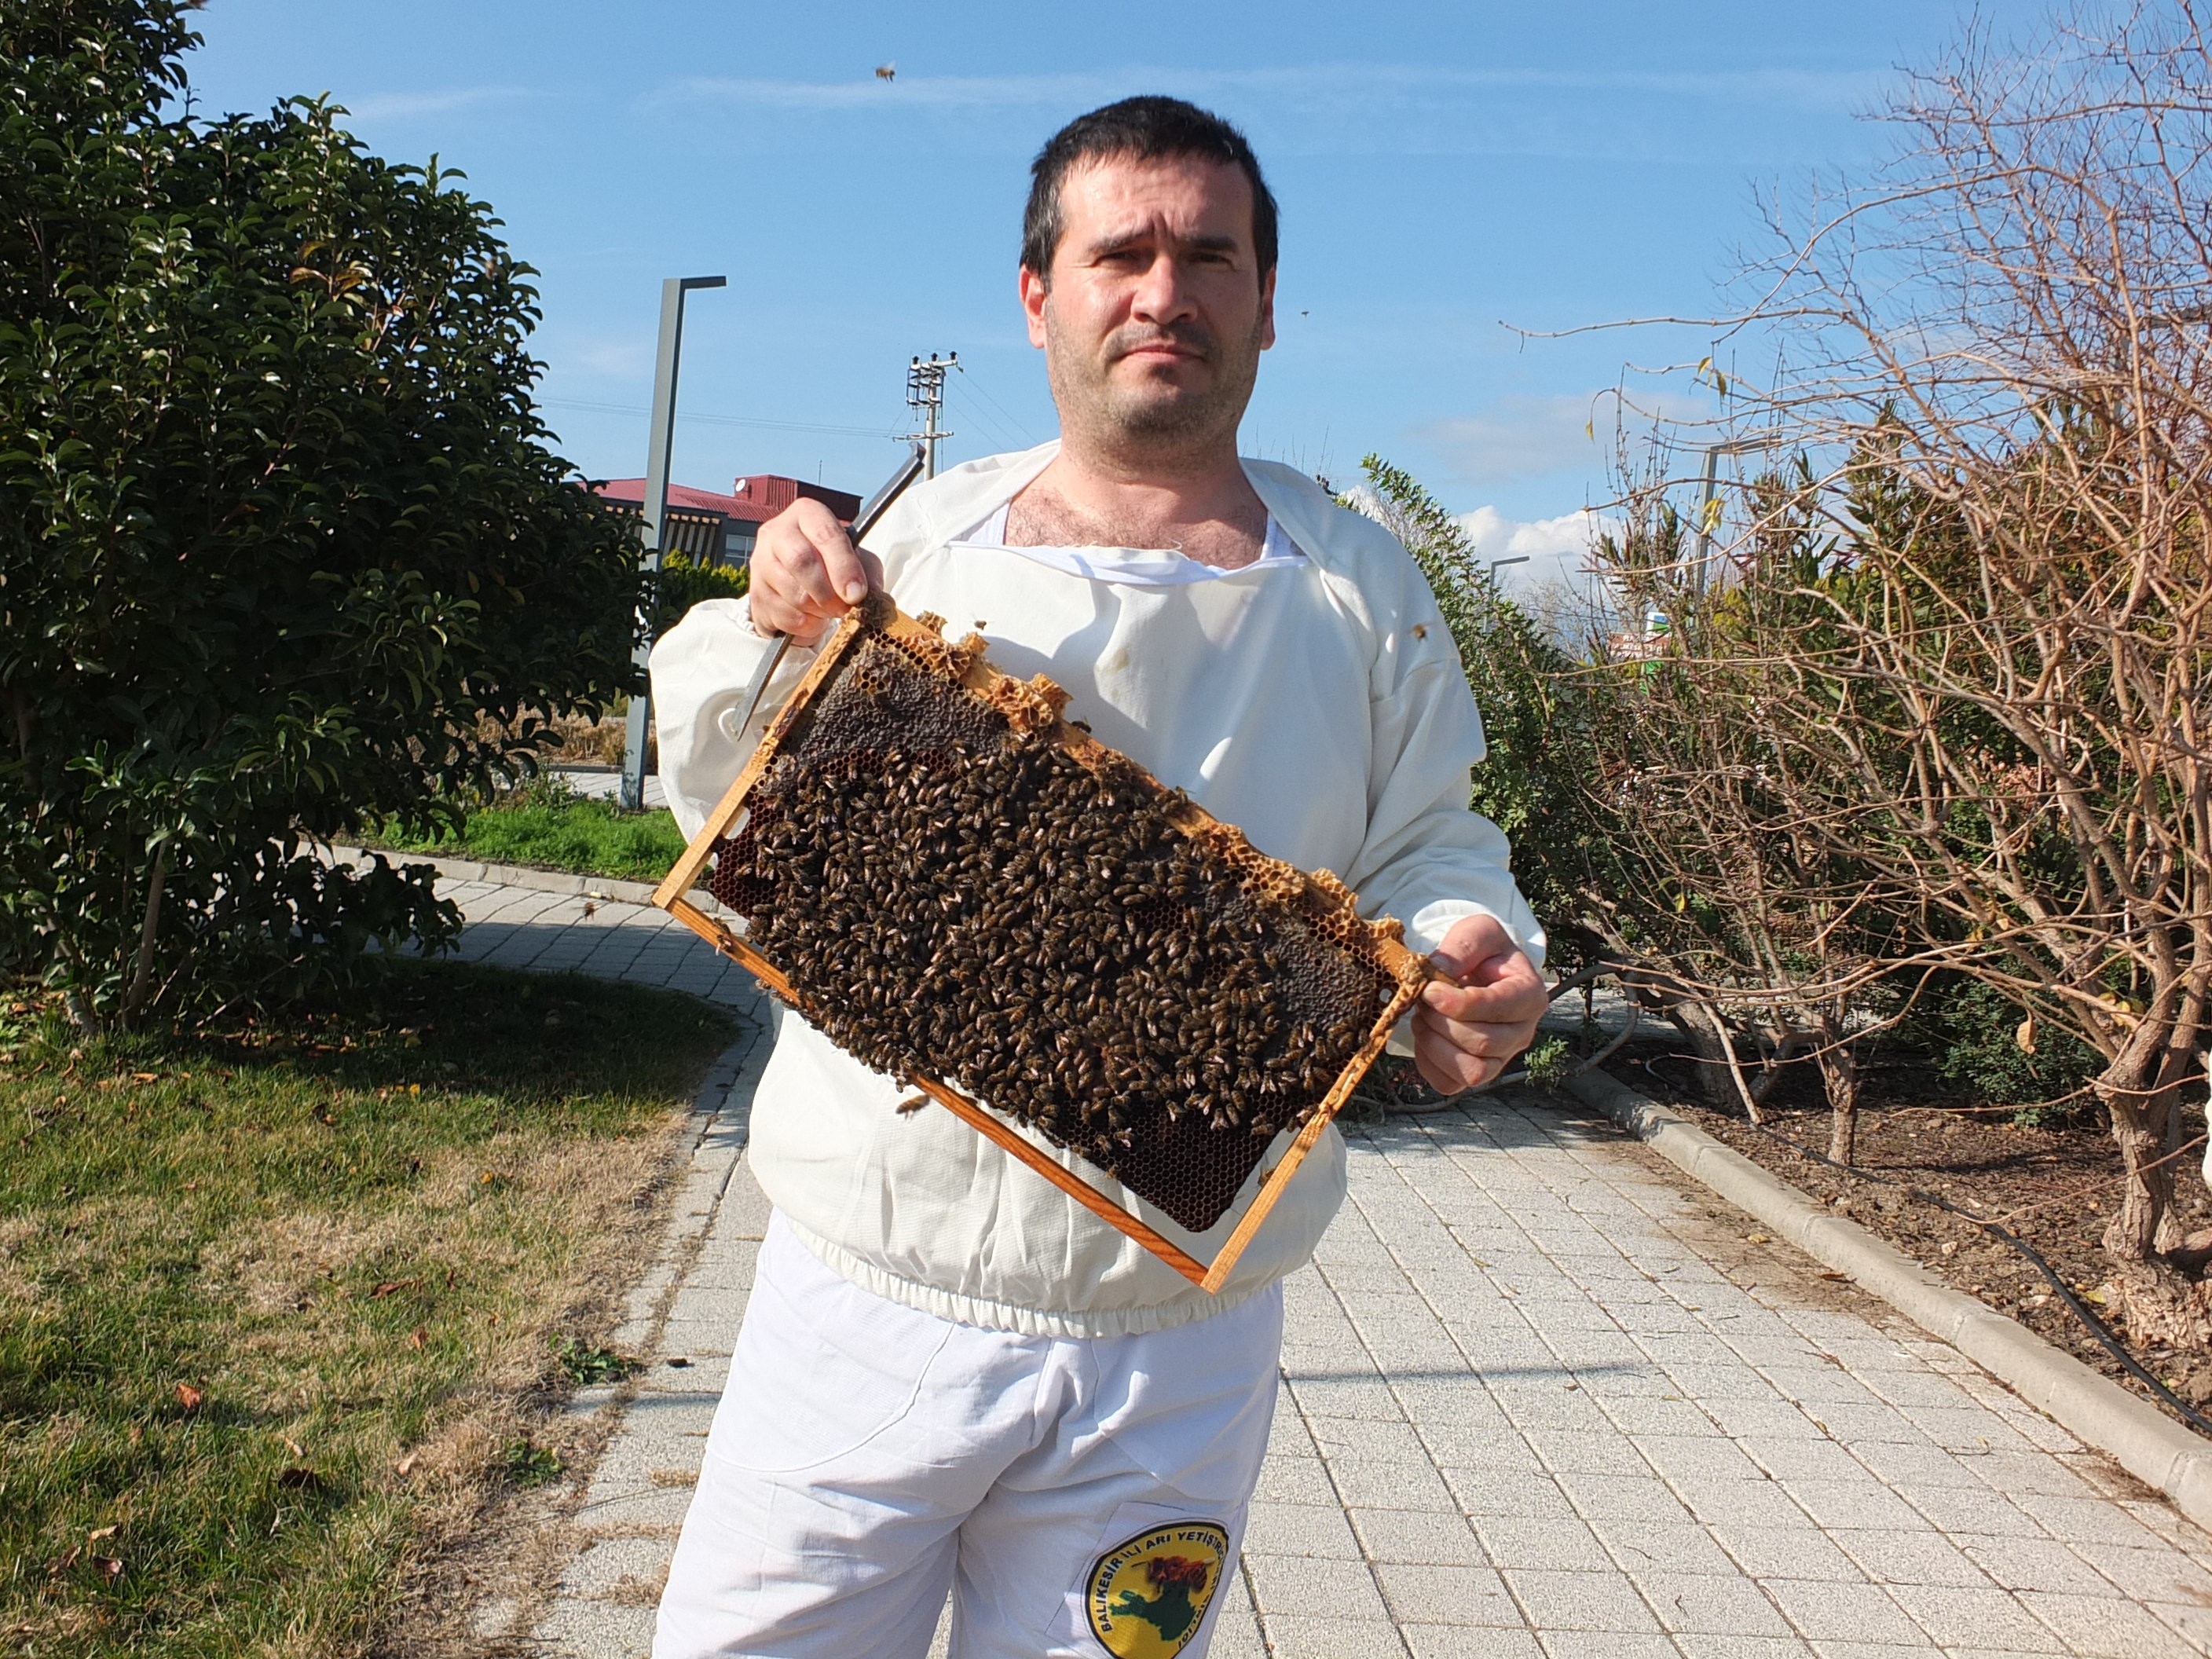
966, 892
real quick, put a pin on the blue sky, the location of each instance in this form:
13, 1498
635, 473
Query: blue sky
1443, 169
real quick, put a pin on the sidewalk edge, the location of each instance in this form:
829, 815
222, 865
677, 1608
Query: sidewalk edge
2149, 1445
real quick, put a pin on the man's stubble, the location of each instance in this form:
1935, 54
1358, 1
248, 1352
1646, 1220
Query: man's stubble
1151, 424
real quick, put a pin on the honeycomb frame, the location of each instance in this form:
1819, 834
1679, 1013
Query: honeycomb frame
1034, 707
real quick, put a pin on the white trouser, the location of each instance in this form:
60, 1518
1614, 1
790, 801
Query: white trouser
1078, 1497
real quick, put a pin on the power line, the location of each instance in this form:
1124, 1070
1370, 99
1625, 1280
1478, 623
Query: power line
725, 420
1019, 427
996, 429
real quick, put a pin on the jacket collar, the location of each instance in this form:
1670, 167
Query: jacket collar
958, 501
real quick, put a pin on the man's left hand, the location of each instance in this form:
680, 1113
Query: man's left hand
1470, 1023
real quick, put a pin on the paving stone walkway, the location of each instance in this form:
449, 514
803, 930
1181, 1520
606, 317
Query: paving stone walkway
1544, 1399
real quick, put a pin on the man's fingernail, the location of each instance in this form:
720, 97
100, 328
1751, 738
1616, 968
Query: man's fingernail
854, 591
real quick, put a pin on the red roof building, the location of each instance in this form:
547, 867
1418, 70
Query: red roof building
710, 527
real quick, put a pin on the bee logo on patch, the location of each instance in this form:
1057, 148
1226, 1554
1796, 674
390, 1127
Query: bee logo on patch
1148, 1596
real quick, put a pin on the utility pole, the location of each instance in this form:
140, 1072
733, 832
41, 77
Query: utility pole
654, 511
925, 390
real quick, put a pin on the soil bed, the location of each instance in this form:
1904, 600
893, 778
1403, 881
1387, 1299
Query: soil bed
2054, 1187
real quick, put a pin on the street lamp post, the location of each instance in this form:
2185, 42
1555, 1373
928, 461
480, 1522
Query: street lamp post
654, 511
1710, 495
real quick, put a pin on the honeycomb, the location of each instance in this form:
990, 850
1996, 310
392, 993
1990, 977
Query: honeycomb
955, 889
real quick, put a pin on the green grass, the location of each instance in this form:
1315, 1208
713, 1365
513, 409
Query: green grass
589, 837
274, 1304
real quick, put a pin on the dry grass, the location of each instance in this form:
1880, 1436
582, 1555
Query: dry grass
277, 1309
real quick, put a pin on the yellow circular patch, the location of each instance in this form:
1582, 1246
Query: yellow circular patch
1148, 1596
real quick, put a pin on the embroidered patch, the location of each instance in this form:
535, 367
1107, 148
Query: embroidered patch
1148, 1596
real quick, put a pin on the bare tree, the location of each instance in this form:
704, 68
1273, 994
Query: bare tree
1763, 944
1994, 713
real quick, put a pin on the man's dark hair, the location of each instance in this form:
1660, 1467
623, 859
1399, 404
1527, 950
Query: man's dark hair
1143, 129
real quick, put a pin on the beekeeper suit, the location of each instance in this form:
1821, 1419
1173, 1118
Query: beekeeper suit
951, 1374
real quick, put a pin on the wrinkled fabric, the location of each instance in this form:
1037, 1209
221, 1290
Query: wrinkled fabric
1317, 703
867, 1457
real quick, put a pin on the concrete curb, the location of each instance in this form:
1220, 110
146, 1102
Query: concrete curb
511, 875
2149, 1445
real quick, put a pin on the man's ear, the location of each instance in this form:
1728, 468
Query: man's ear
1266, 311
1033, 292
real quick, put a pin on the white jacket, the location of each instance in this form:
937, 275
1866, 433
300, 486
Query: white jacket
1317, 704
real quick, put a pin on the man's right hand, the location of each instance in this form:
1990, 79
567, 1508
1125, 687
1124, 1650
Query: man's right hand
807, 573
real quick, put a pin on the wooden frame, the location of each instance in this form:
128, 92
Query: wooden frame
1034, 706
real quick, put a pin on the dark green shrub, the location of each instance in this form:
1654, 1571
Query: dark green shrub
1975, 1031
278, 526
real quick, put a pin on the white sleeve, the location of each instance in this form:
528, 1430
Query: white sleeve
1428, 858
702, 670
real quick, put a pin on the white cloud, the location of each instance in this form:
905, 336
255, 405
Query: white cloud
1543, 550
401, 106
1552, 576
1563, 540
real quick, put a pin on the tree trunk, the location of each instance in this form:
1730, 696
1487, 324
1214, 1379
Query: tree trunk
1658, 991
143, 975
1839, 1077
2138, 1114
2173, 1231
1715, 1081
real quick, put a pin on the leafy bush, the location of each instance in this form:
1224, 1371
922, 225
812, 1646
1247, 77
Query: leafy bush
1977, 1031
683, 584
278, 526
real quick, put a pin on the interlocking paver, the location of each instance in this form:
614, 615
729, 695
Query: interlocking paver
1605, 1645
1542, 1400
2103, 1629
1311, 1588
1447, 1594
1710, 1604
1644, 1546
1469, 1642
1513, 1541
1315, 1530
1416, 1537
1556, 1600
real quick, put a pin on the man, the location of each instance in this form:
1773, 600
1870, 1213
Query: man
950, 1374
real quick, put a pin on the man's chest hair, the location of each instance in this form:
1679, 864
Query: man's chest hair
1042, 517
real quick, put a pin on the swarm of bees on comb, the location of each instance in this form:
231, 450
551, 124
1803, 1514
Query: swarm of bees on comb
957, 885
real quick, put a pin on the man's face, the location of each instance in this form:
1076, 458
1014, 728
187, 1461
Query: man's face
1157, 313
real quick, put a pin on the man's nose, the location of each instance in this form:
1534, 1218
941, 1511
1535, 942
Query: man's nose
1162, 294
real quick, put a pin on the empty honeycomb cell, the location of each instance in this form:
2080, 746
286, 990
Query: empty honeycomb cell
953, 893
